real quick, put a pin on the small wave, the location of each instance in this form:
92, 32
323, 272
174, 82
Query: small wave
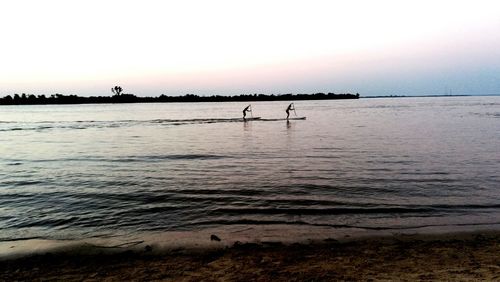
300, 222
47, 125
188, 157
329, 148
154, 158
13, 129
321, 211
488, 114
14, 239
199, 120
152, 210
275, 222
22, 183
430, 209
60, 223
254, 222
147, 158
223, 192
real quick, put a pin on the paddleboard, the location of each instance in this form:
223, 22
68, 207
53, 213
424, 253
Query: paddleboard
251, 118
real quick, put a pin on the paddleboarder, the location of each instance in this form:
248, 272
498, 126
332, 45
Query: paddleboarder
290, 107
247, 109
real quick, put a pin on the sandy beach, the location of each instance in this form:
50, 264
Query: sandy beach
445, 257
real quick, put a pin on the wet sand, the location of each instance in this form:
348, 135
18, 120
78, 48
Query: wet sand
452, 257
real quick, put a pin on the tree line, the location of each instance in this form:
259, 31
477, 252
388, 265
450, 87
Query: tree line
30, 99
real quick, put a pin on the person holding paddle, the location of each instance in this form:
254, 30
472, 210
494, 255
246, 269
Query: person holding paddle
290, 107
247, 109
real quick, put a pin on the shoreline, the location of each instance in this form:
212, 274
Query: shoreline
164, 242
117, 98
440, 256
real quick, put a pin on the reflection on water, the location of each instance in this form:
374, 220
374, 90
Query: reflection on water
81, 170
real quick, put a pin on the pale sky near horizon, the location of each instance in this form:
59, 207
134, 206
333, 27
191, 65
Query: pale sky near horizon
229, 47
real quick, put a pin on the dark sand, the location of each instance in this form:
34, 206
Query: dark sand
457, 257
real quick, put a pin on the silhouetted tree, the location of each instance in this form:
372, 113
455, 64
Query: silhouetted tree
117, 90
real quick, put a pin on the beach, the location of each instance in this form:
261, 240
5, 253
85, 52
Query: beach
468, 256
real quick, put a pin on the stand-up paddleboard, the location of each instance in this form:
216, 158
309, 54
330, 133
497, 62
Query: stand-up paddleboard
278, 119
250, 118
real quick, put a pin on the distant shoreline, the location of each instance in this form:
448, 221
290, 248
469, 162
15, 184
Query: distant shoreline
430, 96
30, 99
418, 96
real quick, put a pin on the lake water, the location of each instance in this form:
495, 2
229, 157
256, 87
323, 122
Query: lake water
82, 171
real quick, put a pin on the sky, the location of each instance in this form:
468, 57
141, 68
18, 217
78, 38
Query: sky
229, 47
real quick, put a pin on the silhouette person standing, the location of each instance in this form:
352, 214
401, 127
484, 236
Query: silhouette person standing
290, 107
247, 109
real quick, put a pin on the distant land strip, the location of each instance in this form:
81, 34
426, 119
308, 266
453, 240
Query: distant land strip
30, 99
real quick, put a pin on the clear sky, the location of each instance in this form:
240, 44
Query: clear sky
232, 47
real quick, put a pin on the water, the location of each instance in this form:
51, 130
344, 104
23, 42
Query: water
82, 171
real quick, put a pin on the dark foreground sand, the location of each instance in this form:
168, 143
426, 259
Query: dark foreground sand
462, 257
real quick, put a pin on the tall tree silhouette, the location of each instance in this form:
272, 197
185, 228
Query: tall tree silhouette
117, 90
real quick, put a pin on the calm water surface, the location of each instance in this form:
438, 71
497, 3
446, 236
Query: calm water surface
77, 171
